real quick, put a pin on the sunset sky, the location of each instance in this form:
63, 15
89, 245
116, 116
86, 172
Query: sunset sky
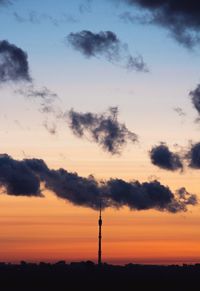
51, 228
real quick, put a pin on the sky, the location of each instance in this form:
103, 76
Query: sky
154, 103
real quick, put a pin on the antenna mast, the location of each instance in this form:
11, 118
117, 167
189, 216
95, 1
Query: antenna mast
100, 236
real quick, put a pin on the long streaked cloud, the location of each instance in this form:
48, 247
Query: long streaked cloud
162, 157
23, 178
182, 18
34, 17
106, 44
103, 129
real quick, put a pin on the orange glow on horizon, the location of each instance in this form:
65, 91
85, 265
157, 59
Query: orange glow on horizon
49, 229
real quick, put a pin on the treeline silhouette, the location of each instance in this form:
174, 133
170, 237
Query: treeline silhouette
89, 276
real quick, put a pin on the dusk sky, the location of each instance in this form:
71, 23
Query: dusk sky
88, 57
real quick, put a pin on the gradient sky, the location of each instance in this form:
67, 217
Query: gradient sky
50, 229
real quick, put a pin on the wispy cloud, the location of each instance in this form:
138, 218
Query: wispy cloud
37, 18
103, 129
106, 44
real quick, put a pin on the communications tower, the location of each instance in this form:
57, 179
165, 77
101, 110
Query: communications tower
100, 236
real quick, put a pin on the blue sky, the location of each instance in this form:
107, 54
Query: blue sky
94, 84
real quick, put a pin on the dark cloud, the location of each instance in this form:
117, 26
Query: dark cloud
17, 178
148, 195
78, 190
186, 197
23, 178
13, 63
104, 129
91, 44
162, 157
106, 44
182, 18
116, 193
193, 156
195, 95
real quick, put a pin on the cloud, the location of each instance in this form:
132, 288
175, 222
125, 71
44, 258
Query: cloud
148, 195
13, 63
195, 95
180, 111
182, 18
36, 18
116, 193
23, 178
50, 127
85, 7
14, 67
162, 157
106, 44
193, 156
129, 17
186, 197
46, 97
17, 178
5, 2
103, 129
47, 105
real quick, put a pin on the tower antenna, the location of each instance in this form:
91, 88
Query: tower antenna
100, 235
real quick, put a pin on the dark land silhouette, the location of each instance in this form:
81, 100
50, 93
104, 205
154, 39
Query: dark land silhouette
89, 276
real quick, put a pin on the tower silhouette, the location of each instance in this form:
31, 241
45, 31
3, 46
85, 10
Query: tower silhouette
100, 236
